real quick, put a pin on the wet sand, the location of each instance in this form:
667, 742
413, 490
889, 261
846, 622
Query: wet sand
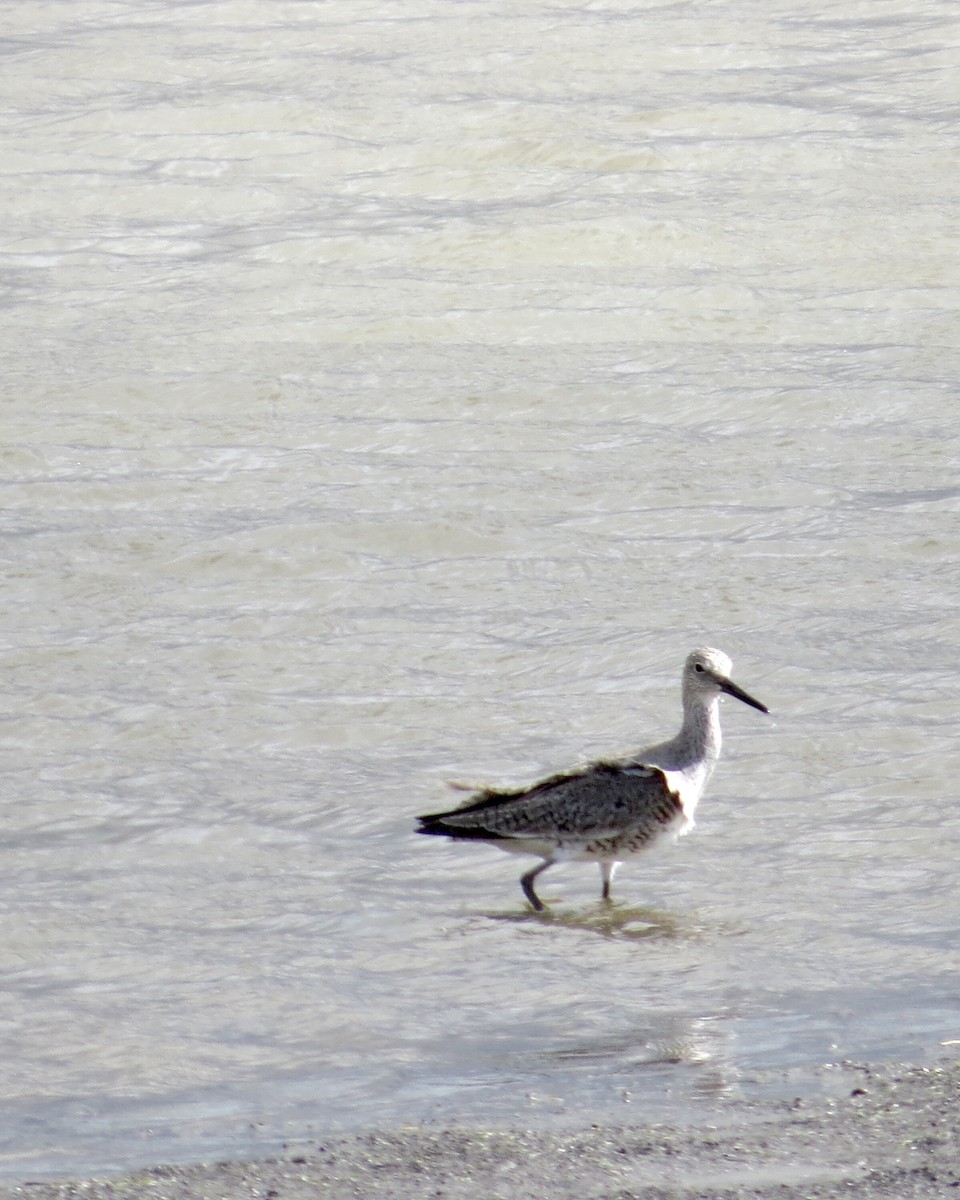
896, 1135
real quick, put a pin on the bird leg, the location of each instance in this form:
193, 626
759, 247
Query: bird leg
526, 882
606, 874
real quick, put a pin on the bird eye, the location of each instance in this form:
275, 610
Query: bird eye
698, 667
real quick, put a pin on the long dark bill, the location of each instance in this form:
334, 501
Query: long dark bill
732, 689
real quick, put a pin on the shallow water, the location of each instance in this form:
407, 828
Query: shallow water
395, 394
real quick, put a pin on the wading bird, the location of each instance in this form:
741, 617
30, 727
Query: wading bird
608, 811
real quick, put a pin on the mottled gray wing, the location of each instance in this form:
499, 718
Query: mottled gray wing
604, 800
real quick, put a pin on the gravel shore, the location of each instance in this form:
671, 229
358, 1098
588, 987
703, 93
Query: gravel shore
897, 1136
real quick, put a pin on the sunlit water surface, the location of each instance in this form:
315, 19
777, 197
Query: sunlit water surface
394, 394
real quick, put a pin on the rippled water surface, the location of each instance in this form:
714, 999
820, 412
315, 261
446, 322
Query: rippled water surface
393, 394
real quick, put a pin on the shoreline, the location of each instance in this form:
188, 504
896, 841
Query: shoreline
892, 1137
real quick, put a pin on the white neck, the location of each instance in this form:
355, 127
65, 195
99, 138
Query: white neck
695, 749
